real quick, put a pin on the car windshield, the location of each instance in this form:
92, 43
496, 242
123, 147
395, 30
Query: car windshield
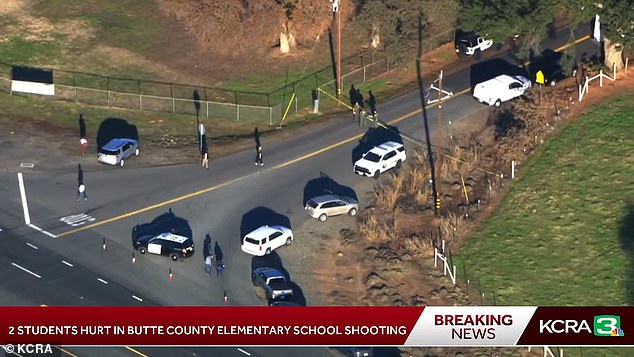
311, 203
372, 157
252, 241
108, 152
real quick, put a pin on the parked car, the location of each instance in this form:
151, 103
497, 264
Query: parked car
357, 351
274, 283
265, 239
168, 244
469, 44
322, 207
380, 158
500, 89
116, 151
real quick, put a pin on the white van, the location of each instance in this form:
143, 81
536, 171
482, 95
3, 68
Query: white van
500, 89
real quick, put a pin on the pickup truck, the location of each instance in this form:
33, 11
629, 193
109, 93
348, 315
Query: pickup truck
272, 281
470, 44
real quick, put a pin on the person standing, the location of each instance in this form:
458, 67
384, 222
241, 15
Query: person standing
208, 264
83, 142
219, 267
372, 103
81, 191
258, 156
352, 94
205, 160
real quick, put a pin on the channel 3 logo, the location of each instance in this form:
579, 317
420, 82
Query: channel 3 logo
608, 325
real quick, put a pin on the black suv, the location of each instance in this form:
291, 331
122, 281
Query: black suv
168, 244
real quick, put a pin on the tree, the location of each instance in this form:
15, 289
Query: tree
501, 19
394, 24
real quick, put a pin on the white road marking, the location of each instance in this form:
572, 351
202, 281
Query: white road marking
67, 263
26, 270
32, 246
28, 165
25, 206
103, 281
41, 230
137, 298
77, 219
243, 351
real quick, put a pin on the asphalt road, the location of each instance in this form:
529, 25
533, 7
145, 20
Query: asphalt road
226, 201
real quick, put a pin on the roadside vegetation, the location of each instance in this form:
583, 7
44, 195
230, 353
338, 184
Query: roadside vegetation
564, 231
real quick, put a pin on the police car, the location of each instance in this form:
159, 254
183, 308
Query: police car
168, 244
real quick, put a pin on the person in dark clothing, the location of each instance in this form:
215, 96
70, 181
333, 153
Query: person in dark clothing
353, 101
258, 156
372, 103
360, 99
218, 252
220, 266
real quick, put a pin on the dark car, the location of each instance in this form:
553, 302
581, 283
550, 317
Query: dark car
167, 244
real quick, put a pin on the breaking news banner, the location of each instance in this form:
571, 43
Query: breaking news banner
316, 326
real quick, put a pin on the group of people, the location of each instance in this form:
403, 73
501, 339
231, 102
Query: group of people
258, 153
209, 257
358, 105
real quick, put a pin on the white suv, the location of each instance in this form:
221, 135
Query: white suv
266, 239
380, 158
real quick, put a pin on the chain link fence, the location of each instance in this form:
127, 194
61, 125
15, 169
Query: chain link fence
252, 107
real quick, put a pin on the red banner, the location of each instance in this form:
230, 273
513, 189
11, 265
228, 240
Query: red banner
241, 326
319, 326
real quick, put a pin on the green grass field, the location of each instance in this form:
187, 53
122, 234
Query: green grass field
560, 236
564, 234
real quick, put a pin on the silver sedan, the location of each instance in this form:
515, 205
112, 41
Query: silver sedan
322, 207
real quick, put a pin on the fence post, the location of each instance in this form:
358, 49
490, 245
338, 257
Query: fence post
172, 95
363, 73
270, 115
108, 91
601, 78
238, 112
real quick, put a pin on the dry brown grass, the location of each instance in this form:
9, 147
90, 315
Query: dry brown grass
419, 246
376, 227
387, 195
452, 225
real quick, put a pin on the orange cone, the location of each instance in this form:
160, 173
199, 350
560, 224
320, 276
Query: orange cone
103, 246
170, 276
133, 259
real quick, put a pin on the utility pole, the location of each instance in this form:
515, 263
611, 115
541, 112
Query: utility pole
439, 144
338, 50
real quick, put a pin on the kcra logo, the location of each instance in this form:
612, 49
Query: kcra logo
603, 325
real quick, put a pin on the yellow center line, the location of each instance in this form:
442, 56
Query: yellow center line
136, 351
279, 166
66, 351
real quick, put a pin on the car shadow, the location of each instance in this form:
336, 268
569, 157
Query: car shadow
112, 128
323, 185
261, 216
166, 222
551, 64
374, 137
485, 70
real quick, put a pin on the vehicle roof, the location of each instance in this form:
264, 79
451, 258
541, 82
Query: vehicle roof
331, 197
269, 272
265, 231
117, 142
385, 147
172, 237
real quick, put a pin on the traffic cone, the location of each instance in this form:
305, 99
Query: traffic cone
133, 258
226, 299
103, 246
170, 276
